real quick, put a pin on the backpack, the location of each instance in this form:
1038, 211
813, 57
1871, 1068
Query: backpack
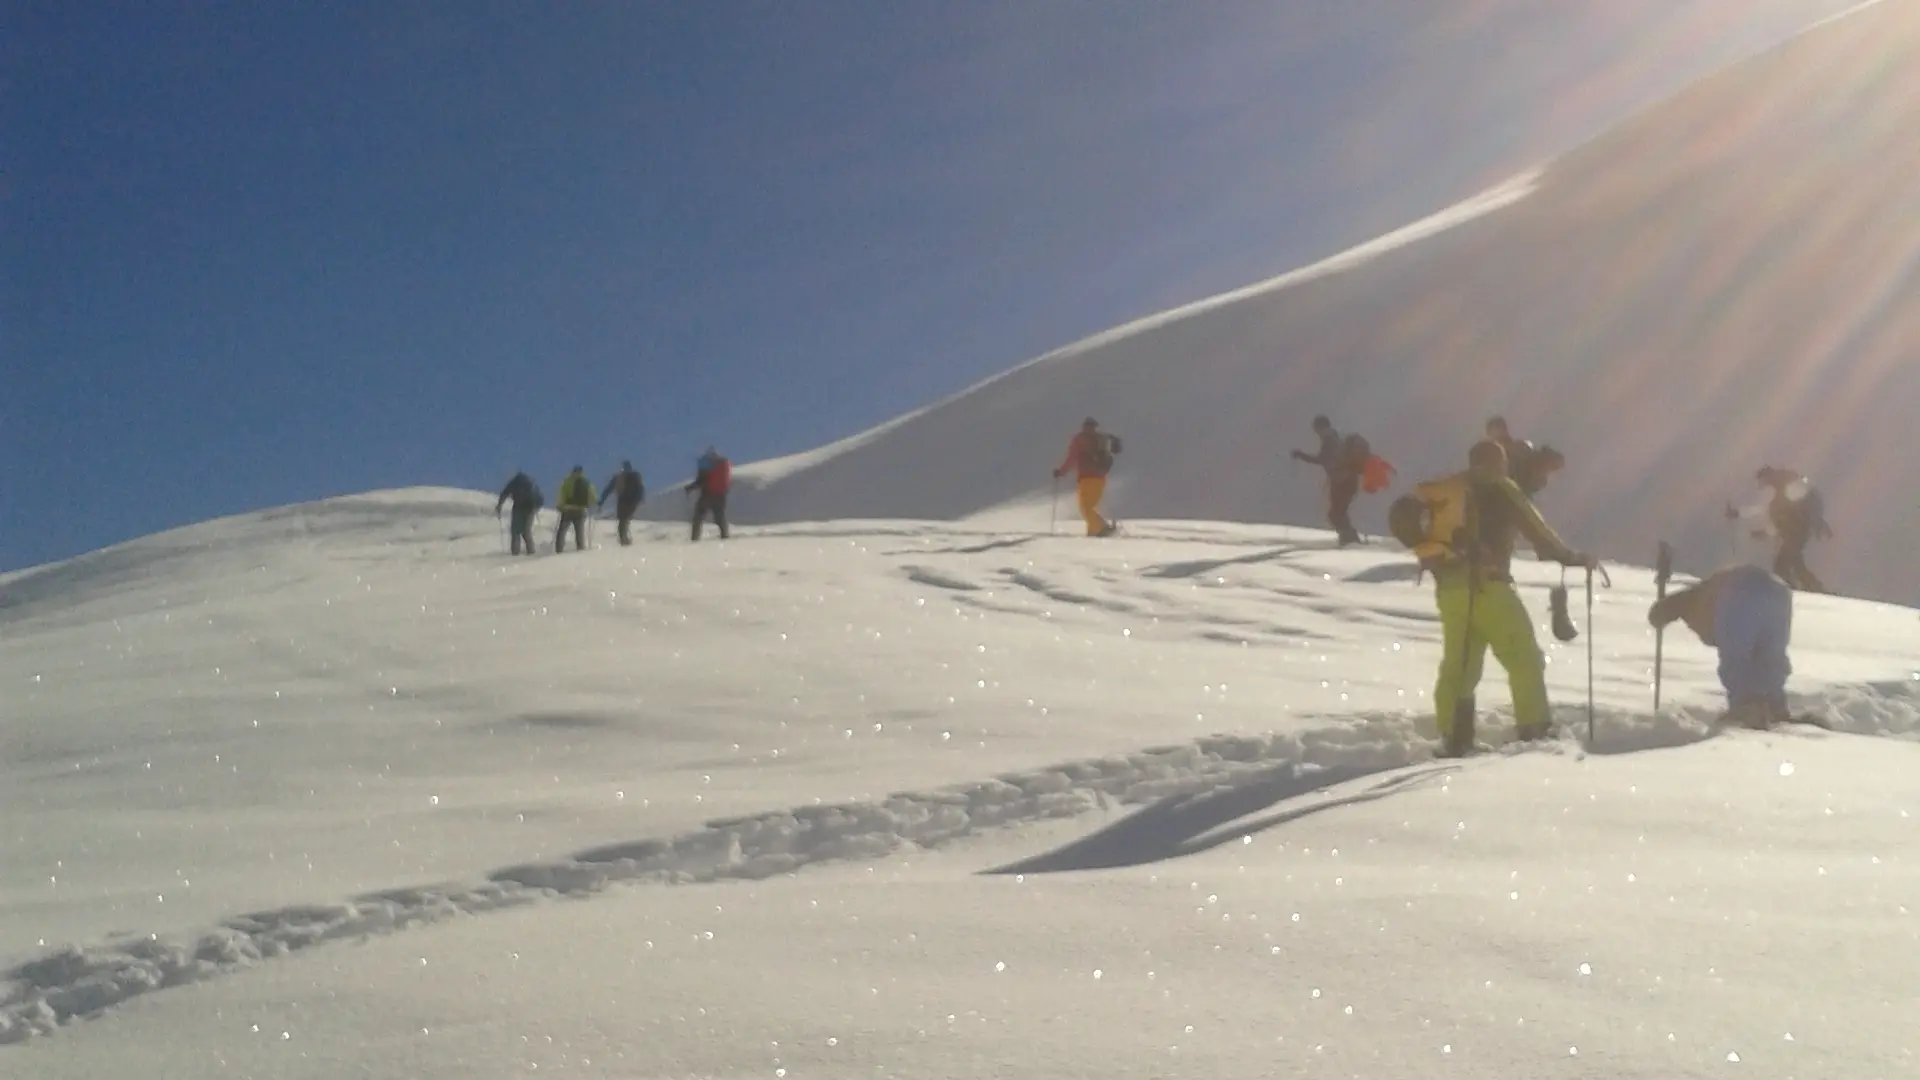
573, 491
1357, 451
1814, 511
1376, 474
1433, 520
535, 497
1096, 455
719, 476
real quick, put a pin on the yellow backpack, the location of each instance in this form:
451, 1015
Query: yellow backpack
1435, 520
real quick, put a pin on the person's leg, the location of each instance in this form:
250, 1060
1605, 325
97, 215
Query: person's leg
1462, 658
1500, 616
1752, 626
1091, 489
1340, 496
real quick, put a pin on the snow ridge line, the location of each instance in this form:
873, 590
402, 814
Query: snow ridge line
76, 982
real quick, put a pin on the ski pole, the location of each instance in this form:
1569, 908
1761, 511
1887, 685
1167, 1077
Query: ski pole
1589, 658
1053, 523
1607, 581
1663, 571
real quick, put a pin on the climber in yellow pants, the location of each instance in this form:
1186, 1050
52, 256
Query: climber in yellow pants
1090, 454
1480, 609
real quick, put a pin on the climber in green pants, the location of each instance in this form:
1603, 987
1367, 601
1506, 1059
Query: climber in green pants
1473, 588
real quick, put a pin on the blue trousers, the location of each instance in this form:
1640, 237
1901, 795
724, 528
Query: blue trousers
1752, 626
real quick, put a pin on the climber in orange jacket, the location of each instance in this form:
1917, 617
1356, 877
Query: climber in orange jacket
1090, 454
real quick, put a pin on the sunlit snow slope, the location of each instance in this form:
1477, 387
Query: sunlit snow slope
293, 794
1723, 282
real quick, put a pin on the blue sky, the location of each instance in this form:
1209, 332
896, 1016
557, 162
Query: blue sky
257, 253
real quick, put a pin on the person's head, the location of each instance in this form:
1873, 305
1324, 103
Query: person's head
1488, 455
1768, 476
1497, 428
627, 466
579, 468
1322, 424
1089, 424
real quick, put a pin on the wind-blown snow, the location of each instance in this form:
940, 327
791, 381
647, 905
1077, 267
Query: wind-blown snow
1725, 281
357, 721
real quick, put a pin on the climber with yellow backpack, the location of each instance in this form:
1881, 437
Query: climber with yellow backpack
1463, 528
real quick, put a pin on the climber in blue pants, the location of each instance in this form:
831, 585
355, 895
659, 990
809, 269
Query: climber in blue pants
1746, 614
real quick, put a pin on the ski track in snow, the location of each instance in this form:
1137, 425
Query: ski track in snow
76, 983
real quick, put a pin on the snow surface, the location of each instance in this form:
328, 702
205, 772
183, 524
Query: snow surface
1722, 282
302, 794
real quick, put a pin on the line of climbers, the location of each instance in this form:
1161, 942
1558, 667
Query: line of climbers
712, 479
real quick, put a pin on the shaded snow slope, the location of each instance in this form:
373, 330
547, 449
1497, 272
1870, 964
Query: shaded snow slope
1723, 282
249, 738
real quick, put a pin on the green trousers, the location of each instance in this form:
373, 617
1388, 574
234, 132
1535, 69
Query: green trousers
1471, 622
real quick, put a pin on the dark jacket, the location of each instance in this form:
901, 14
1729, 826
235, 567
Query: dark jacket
627, 485
524, 493
1332, 457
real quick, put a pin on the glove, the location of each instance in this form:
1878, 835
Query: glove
1301, 455
1058, 473
1584, 561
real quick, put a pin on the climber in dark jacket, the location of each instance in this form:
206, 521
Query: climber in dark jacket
527, 501
1343, 478
631, 491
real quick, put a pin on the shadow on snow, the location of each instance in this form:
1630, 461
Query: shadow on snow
1182, 825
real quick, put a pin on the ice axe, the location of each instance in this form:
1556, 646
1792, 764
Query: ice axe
1662, 573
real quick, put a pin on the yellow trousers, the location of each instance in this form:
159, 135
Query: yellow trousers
1092, 488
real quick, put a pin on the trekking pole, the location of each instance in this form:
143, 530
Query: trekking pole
1607, 581
1053, 523
1662, 573
1465, 706
1589, 657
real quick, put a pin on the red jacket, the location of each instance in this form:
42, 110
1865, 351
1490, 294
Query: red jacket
1081, 456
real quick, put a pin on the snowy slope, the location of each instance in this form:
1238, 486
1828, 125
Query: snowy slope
1722, 282
295, 794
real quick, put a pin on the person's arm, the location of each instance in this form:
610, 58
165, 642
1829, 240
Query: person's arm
1073, 451
1539, 534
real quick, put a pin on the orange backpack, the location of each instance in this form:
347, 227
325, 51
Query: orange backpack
1376, 474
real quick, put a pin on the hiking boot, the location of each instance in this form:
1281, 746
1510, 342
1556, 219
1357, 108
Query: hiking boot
1531, 732
1458, 742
